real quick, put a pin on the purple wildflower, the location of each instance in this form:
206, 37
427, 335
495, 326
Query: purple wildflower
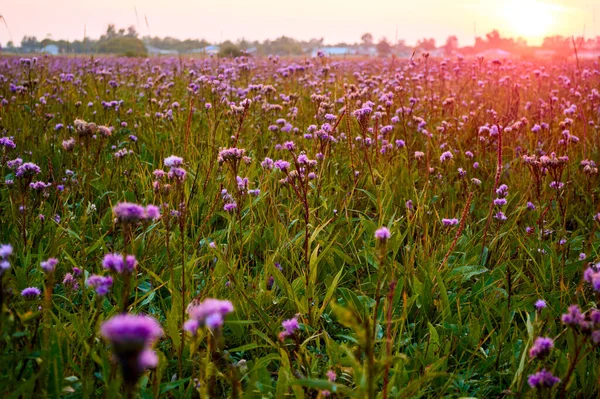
100, 284
502, 191
70, 282
28, 169
152, 212
191, 326
119, 264
542, 379
539, 305
500, 216
211, 313
132, 336
289, 328
446, 156
450, 222
131, 330
230, 207
500, 202
31, 293
127, 212
267, 163
7, 143
49, 265
282, 165
289, 145
331, 376
573, 317
173, 161
14, 163
6, 250
541, 347
382, 234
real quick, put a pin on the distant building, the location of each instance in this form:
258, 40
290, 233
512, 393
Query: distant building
495, 53
371, 51
333, 51
159, 51
50, 49
212, 49
543, 54
435, 53
588, 54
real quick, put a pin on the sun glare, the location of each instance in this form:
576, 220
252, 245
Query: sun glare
530, 19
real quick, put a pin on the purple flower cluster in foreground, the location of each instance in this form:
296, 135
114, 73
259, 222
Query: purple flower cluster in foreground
132, 337
542, 379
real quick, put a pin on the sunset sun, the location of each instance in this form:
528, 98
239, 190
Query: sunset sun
530, 19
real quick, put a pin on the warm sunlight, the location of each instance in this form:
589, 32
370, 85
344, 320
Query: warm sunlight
530, 19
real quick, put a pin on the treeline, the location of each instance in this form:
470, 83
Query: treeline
122, 41
128, 42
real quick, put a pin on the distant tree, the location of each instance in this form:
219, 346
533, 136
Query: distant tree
383, 47
451, 45
367, 39
281, 46
10, 46
78, 47
228, 49
557, 43
117, 42
30, 44
131, 32
426, 44
493, 39
111, 32
402, 47
46, 42
243, 44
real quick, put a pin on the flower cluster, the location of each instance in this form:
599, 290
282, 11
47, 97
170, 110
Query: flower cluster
132, 337
101, 284
129, 213
49, 265
232, 155
176, 172
119, 264
542, 379
210, 313
289, 328
6, 250
382, 234
31, 293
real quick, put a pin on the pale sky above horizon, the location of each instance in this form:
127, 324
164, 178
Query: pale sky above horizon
334, 20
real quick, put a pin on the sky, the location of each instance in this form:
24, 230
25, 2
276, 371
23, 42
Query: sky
334, 20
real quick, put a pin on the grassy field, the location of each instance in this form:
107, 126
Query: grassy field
373, 228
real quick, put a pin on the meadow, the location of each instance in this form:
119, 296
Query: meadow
306, 228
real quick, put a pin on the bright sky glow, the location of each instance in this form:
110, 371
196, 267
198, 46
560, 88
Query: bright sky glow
334, 20
532, 19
